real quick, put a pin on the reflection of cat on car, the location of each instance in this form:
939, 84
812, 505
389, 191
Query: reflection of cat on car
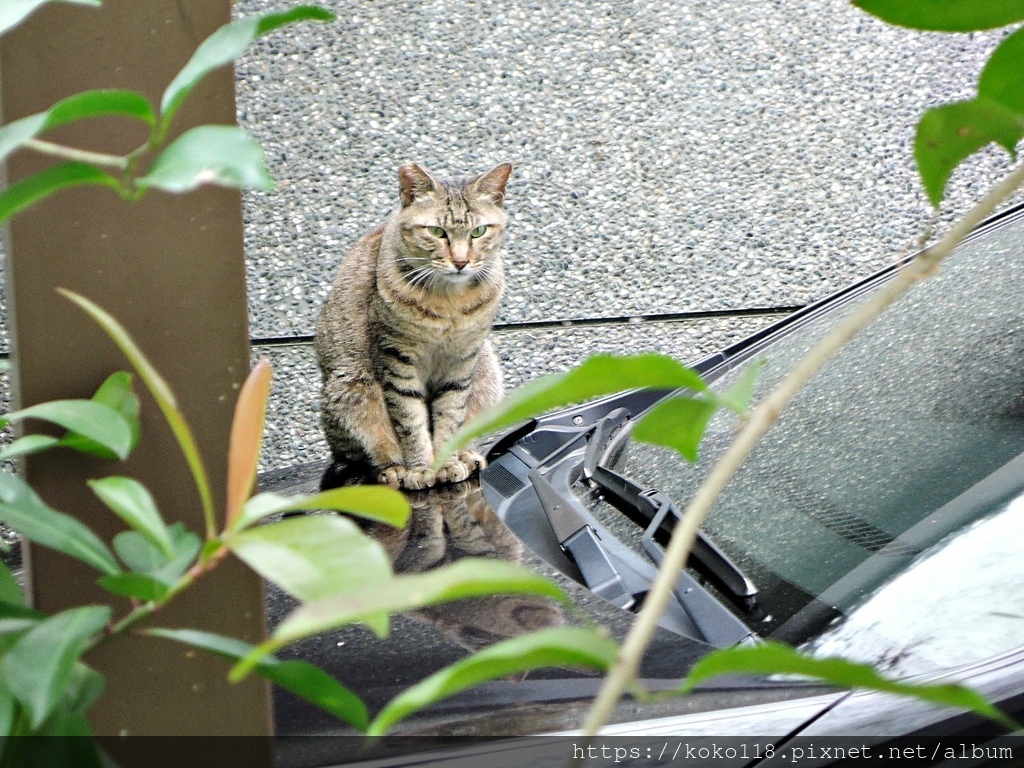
451, 522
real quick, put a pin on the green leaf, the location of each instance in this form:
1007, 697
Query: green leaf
132, 502
9, 712
98, 422
28, 445
598, 375
16, 617
115, 392
771, 658
81, 106
16, 133
12, 615
38, 668
84, 689
29, 191
13, 12
137, 585
142, 556
76, 747
224, 46
312, 557
950, 133
16, 626
469, 577
100, 103
10, 590
677, 423
566, 647
298, 677
161, 393
22, 510
737, 397
186, 546
946, 15
11, 610
137, 552
210, 154
372, 502
1002, 79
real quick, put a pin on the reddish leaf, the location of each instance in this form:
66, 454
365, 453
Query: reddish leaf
246, 438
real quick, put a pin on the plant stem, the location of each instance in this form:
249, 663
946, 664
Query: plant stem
202, 566
82, 155
624, 670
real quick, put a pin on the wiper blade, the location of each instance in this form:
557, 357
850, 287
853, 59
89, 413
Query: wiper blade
657, 513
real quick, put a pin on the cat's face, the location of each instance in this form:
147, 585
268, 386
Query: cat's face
450, 229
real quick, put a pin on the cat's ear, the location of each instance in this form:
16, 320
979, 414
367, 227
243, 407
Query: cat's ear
413, 183
491, 185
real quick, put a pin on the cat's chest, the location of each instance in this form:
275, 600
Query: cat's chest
437, 363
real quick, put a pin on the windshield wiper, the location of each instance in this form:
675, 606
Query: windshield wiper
580, 542
614, 572
655, 511
530, 484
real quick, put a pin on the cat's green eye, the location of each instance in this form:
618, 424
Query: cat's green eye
437, 231
479, 231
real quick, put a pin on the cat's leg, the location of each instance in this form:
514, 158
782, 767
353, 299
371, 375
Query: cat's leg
407, 410
403, 393
358, 426
479, 389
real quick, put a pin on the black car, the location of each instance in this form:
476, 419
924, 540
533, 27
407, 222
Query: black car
881, 520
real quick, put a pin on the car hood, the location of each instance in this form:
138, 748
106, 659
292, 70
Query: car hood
456, 521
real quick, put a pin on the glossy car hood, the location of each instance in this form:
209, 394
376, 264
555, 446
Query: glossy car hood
453, 522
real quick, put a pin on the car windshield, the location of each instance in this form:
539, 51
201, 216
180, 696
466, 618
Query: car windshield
892, 451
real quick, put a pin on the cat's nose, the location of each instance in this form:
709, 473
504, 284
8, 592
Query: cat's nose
460, 255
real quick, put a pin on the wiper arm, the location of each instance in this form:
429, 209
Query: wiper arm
657, 513
621, 576
534, 479
581, 543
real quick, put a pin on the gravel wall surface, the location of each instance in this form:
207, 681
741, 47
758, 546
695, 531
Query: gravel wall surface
669, 156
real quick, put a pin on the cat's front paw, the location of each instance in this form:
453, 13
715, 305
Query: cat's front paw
415, 479
392, 476
457, 469
399, 476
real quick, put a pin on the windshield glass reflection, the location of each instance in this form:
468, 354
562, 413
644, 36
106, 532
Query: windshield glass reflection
973, 580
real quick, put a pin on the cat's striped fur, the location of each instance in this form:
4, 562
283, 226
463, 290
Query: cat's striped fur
403, 339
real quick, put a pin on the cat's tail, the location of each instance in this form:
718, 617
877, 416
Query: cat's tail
340, 473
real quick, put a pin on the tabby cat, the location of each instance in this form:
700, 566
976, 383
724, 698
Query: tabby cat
402, 342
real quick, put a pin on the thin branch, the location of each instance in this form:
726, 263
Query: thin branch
82, 155
200, 568
627, 663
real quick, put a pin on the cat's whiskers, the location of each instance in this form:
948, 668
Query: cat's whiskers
418, 275
424, 277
